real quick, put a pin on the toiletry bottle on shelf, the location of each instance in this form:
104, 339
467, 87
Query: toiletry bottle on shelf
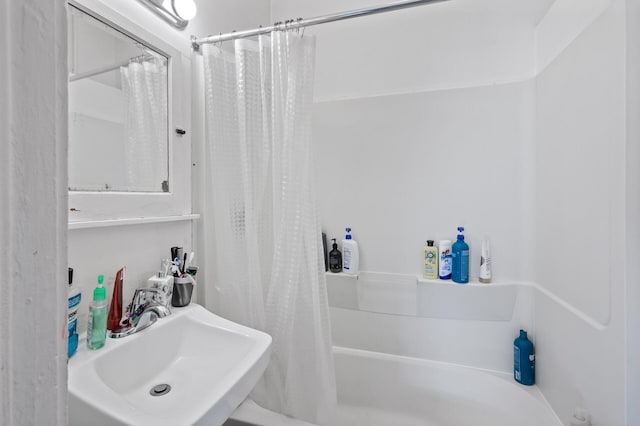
524, 360
460, 259
444, 259
351, 256
430, 267
335, 258
115, 309
485, 262
97, 328
72, 316
324, 252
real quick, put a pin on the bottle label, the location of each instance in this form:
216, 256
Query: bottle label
516, 363
346, 258
485, 267
464, 265
72, 318
430, 264
445, 263
334, 263
90, 329
74, 300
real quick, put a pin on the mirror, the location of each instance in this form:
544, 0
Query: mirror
118, 115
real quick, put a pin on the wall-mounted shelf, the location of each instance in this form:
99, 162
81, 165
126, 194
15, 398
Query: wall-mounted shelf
131, 221
408, 295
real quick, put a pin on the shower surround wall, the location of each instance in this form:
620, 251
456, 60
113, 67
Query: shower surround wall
580, 231
504, 117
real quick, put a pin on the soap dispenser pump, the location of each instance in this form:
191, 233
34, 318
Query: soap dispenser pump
335, 258
460, 259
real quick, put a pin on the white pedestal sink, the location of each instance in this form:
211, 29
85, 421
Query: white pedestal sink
209, 363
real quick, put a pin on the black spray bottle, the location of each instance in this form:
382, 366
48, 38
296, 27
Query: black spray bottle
335, 258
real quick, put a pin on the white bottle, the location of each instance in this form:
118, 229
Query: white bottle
164, 283
445, 259
350, 255
485, 262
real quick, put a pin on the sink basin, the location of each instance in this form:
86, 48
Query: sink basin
209, 364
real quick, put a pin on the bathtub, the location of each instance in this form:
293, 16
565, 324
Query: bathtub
377, 319
377, 389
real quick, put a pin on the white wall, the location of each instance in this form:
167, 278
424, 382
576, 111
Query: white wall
463, 43
423, 123
632, 294
580, 191
33, 161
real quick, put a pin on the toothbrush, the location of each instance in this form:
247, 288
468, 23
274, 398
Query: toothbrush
189, 260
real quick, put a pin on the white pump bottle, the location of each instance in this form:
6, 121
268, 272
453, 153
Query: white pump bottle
350, 255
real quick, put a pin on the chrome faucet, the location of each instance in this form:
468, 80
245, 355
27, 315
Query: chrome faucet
144, 310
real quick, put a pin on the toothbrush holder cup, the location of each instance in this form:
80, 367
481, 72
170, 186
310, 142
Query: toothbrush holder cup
182, 290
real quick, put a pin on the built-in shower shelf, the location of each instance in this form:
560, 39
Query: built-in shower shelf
131, 221
409, 295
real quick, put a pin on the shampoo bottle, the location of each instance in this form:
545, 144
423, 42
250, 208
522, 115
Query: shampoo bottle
460, 259
444, 261
485, 262
335, 258
430, 267
351, 256
72, 316
524, 360
97, 328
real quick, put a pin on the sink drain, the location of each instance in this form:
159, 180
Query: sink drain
161, 389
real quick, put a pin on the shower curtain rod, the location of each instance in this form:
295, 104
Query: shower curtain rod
107, 68
299, 23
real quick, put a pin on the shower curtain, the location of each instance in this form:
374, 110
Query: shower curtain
260, 205
145, 89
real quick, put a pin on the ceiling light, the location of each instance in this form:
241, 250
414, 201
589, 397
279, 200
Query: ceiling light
176, 12
186, 9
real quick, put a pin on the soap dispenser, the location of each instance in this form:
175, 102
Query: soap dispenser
97, 329
351, 256
460, 259
335, 258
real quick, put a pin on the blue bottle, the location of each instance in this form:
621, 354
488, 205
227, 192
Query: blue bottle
460, 259
72, 316
524, 360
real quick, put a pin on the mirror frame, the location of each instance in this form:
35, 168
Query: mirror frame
87, 206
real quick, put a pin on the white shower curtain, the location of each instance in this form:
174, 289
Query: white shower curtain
145, 88
260, 206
